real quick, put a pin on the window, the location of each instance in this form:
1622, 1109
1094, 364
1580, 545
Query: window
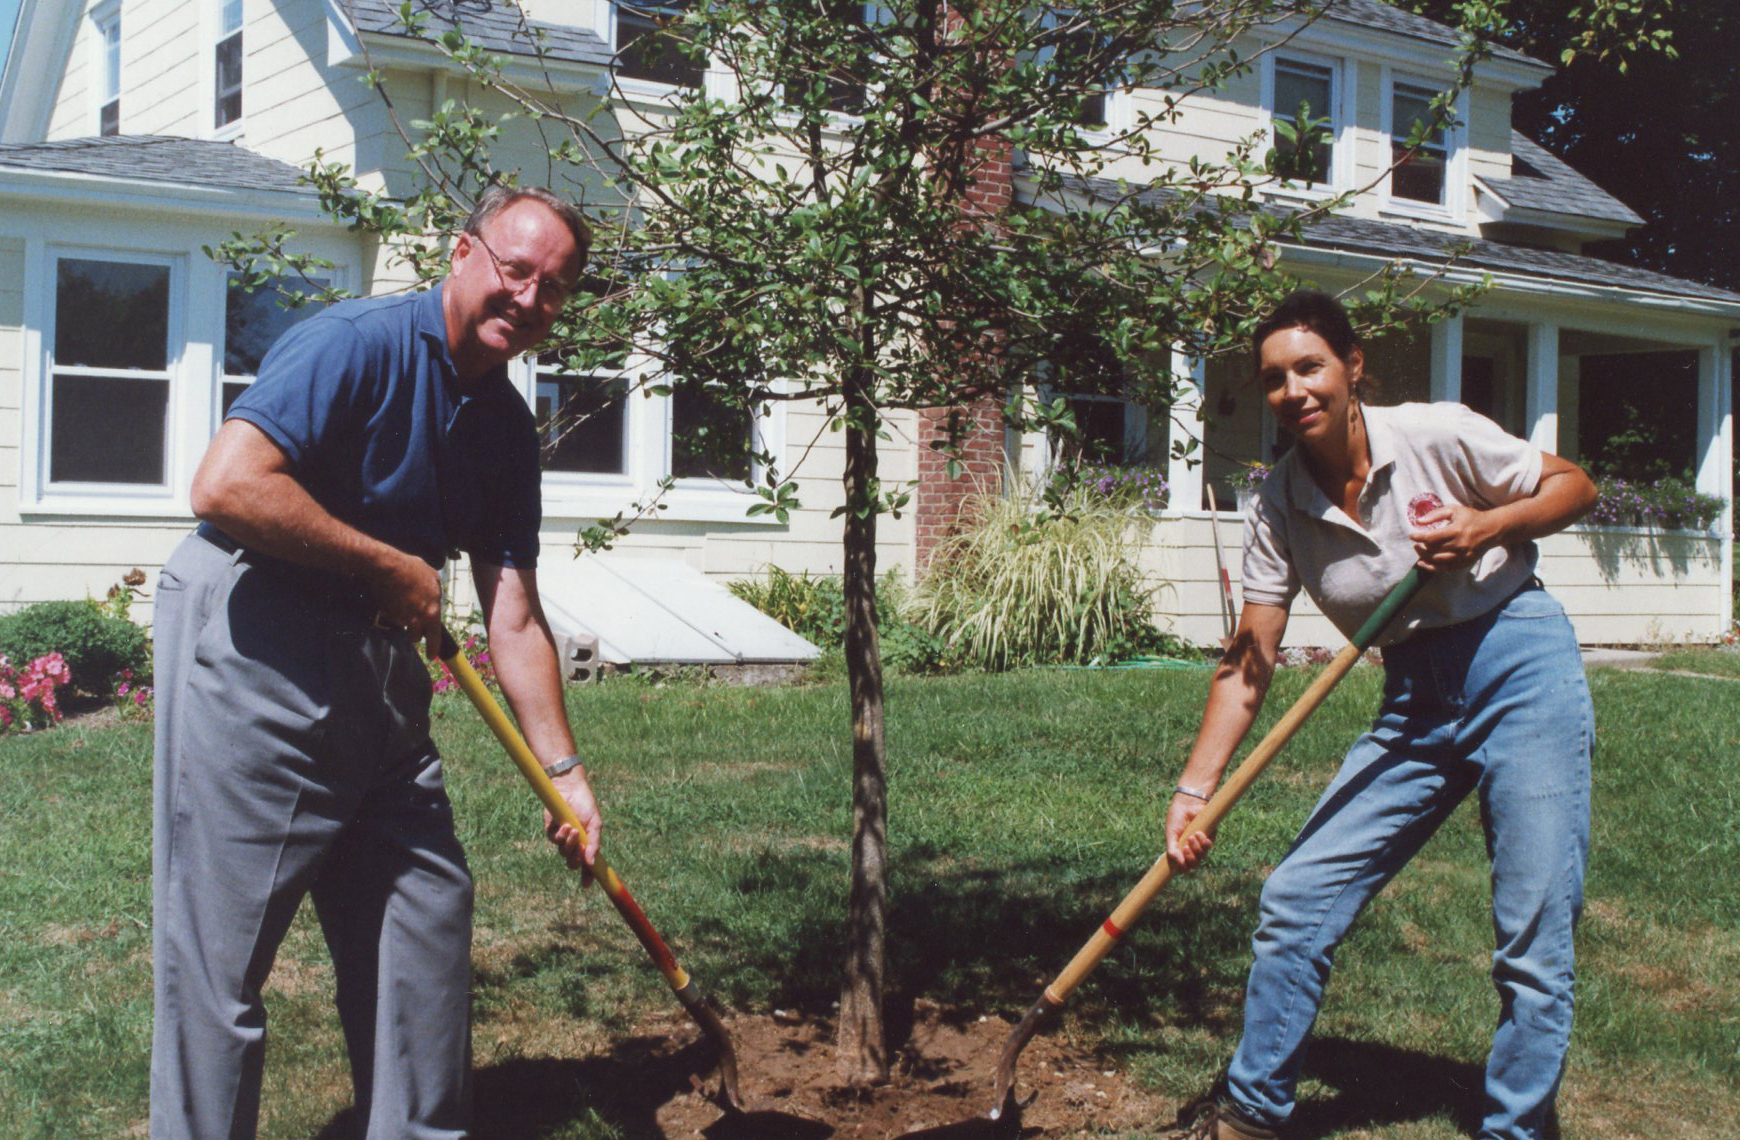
710, 438
846, 94
1419, 178
253, 322
108, 393
648, 43
1069, 55
582, 421
228, 64
1110, 429
108, 28
1112, 432
1304, 88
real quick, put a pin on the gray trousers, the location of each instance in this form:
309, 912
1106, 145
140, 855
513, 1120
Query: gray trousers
293, 757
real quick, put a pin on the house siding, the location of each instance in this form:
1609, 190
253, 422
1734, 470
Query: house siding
72, 114
1620, 586
161, 49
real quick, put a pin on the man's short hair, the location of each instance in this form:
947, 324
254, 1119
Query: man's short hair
498, 198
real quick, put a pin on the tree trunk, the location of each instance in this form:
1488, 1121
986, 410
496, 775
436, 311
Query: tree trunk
860, 1044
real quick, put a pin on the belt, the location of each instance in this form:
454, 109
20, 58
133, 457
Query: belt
329, 589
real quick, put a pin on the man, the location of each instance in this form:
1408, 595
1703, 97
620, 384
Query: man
293, 753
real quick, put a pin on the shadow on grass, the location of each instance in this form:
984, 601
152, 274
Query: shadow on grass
615, 1095
977, 940
1379, 1086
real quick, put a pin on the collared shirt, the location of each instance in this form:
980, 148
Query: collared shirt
364, 400
1296, 537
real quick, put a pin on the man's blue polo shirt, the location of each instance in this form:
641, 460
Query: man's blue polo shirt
363, 399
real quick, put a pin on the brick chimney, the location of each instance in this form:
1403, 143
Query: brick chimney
982, 456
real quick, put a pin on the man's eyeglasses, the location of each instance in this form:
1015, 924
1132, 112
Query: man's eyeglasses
516, 275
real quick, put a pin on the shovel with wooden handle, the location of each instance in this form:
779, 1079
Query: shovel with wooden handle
1124, 917
680, 982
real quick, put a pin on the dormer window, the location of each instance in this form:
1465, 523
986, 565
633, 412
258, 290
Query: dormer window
1421, 175
1311, 88
107, 23
647, 44
228, 64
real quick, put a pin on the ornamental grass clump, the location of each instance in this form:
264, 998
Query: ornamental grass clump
1018, 587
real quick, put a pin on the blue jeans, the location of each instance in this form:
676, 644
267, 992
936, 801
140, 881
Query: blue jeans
1497, 705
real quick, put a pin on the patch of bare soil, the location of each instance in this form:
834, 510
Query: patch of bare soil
941, 1075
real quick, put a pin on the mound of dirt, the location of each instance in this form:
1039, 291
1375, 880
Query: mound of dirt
941, 1075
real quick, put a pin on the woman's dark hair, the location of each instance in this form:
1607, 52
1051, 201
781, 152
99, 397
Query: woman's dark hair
1313, 310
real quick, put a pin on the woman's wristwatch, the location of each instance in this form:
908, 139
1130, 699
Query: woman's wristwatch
565, 764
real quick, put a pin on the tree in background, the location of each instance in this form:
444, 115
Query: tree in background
1646, 103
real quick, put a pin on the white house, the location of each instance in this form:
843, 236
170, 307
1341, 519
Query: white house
136, 133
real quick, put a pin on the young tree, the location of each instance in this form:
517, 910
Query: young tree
836, 215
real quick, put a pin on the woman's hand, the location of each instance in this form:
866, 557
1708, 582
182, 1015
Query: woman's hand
1185, 852
1454, 536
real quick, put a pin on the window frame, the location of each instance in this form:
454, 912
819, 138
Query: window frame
1117, 105
1136, 419
1453, 202
648, 458
42, 490
213, 36
106, 54
652, 90
1343, 96
223, 35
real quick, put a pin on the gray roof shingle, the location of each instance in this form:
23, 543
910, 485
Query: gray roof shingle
494, 25
1547, 183
158, 158
1391, 240
1375, 14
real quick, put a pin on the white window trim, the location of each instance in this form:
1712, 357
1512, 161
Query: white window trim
36, 493
716, 82
1344, 100
102, 17
571, 495
1120, 112
1454, 207
1135, 419
210, 32
194, 365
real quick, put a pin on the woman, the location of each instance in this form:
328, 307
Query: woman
1483, 691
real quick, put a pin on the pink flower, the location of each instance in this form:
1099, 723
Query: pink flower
139, 697
122, 689
7, 692
5, 716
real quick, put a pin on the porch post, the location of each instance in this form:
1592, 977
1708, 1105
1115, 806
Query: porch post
1541, 414
1185, 475
1716, 448
1447, 360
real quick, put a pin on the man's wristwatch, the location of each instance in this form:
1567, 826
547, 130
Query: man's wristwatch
565, 764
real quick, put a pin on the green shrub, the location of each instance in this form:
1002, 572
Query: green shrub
96, 647
812, 608
1019, 588
815, 609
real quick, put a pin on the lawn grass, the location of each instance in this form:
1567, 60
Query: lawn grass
1022, 807
1712, 661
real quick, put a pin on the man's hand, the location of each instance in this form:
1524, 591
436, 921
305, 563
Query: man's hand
408, 592
1452, 537
1186, 853
579, 854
